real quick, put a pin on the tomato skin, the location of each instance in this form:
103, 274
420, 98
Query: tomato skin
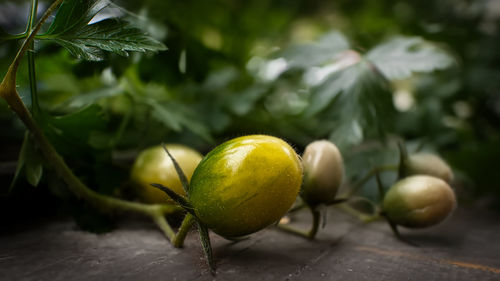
245, 184
419, 201
153, 165
427, 164
323, 171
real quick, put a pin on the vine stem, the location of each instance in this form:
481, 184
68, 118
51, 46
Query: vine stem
357, 186
316, 215
187, 223
35, 106
105, 204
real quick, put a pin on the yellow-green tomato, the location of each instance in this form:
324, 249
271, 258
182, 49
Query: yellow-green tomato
427, 164
419, 201
154, 166
245, 184
323, 170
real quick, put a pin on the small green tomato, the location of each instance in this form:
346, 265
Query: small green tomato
153, 165
427, 164
245, 184
419, 201
323, 170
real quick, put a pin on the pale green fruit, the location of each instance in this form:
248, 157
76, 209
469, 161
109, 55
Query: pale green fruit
419, 201
323, 170
153, 165
427, 164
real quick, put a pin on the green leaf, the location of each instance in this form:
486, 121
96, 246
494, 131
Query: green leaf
162, 114
75, 13
324, 50
400, 57
176, 116
71, 29
20, 161
86, 99
30, 161
71, 133
326, 92
364, 107
34, 171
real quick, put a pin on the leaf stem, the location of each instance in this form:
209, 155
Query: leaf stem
359, 215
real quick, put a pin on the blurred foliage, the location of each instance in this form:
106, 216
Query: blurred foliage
356, 72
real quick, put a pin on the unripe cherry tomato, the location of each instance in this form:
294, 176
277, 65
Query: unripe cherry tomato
323, 171
245, 184
419, 201
427, 164
154, 166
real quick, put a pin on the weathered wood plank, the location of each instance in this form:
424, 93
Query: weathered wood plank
465, 247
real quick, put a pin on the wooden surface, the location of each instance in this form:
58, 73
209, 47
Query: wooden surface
466, 247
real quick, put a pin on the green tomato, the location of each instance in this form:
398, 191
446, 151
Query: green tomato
245, 184
154, 166
427, 164
419, 201
323, 170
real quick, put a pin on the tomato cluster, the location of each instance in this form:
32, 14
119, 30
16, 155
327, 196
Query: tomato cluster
250, 182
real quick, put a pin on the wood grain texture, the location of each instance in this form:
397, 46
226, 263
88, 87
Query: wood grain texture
465, 247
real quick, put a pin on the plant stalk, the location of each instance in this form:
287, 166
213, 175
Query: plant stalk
316, 215
187, 223
101, 202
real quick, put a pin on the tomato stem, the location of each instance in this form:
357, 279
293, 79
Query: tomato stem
359, 215
396, 232
311, 233
187, 223
403, 158
315, 224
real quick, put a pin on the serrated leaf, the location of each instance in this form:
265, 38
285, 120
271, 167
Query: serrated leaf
75, 13
357, 98
335, 84
112, 35
400, 57
365, 107
71, 30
